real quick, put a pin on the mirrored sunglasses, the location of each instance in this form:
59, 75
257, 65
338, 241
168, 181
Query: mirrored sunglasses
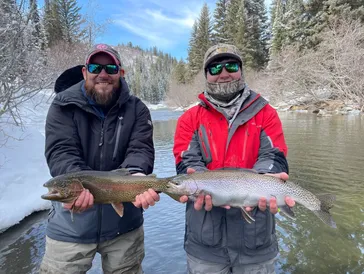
230, 67
97, 68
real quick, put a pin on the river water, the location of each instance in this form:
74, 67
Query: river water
326, 155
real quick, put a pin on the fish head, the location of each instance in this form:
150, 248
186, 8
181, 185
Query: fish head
182, 185
63, 189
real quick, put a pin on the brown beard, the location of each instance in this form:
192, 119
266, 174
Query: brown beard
102, 99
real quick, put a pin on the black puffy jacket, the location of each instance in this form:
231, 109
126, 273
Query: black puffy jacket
79, 138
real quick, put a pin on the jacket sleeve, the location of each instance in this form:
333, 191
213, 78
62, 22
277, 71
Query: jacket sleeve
273, 148
62, 145
140, 152
186, 150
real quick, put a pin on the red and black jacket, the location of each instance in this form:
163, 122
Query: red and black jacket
204, 139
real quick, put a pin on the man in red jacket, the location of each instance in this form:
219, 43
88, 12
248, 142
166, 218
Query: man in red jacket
232, 127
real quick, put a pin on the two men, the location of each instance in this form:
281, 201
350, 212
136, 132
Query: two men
232, 127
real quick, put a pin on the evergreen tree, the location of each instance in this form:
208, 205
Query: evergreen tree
180, 72
192, 52
278, 28
38, 30
52, 23
239, 32
220, 33
262, 54
296, 20
203, 41
70, 20
235, 21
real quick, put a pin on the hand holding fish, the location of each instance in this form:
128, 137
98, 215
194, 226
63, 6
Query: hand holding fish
147, 198
83, 202
262, 204
206, 200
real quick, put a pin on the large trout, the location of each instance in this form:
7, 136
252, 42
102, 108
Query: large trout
242, 188
236, 188
107, 187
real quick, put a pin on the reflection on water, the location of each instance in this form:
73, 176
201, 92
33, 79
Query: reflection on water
326, 155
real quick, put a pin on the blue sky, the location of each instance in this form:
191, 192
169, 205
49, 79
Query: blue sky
163, 23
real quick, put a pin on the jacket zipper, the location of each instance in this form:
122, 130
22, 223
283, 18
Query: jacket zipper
101, 143
245, 143
119, 126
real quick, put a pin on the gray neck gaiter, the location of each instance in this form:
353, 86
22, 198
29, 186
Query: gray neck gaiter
230, 109
225, 92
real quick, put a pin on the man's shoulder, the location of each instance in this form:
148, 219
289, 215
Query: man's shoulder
72, 93
137, 102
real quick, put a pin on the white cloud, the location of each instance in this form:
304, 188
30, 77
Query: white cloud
161, 23
153, 37
159, 16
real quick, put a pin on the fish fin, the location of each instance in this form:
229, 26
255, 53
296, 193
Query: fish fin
122, 171
246, 216
325, 217
119, 208
327, 202
71, 210
287, 211
174, 196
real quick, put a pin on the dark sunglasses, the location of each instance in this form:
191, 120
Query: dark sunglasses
97, 68
230, 67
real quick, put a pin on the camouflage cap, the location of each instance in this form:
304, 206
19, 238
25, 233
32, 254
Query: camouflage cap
221, 50
106, 49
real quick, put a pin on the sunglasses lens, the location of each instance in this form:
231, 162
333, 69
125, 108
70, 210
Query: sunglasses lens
215, 69
232, 67
112, 69
94, 68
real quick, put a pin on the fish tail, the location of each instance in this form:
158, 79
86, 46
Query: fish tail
327, 202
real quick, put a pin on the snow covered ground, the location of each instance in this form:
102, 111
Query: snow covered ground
23, 167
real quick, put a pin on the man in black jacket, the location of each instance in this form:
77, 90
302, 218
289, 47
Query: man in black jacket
96, 124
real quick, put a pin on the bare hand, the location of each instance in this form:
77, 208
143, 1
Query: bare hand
146, 199
83, 202
262, 204
201, 199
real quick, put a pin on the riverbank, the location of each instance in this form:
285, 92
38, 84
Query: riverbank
323, 108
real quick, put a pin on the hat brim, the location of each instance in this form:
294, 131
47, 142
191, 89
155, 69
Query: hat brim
220, 55
102, 51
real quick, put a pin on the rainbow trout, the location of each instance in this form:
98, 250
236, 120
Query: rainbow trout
242, 188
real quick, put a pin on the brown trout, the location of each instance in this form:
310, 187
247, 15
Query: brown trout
107, 187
